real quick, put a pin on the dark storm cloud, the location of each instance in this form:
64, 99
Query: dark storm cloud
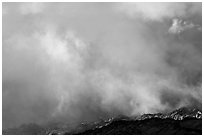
77, 62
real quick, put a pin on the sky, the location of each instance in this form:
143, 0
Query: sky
74, 62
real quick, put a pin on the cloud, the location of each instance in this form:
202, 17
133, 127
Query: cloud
31, 8
159, 11
86, 61
179, 26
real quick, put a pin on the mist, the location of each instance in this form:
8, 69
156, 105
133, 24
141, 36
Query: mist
74, 62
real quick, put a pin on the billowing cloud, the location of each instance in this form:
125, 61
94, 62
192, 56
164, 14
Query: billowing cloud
77, 62
179, 26
159, 11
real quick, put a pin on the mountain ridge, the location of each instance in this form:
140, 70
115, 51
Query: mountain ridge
187, 120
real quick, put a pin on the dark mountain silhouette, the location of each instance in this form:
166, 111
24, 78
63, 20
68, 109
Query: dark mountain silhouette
183, 121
